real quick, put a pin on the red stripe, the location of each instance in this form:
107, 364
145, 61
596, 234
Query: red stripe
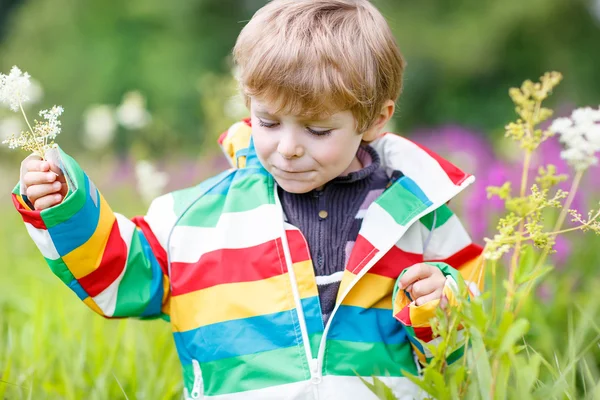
424, 333
456, 175
297, 244
394, 262
461, 257
158, 251
112, 264
229, 266
32, 217
404, 316
362, 252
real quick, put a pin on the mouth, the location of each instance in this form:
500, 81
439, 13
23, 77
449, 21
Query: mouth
287, 173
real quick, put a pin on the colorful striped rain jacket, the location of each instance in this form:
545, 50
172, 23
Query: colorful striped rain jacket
237, 283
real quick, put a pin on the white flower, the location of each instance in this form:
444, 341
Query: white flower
14, 87
132, 113
150, 181
581, 136
10, 126
99, 127
51, 128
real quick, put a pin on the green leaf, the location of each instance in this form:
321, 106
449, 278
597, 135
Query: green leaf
379, 388
480, 362
516, 331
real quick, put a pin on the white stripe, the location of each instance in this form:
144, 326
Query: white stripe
398, 153
351, 387
42, 239
412, 240
331, 387
161, 218
292, 391
233, 231
333, 278
107, 299
378, 226
447, 240
361, 213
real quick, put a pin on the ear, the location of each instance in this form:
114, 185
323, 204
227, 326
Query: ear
387, 111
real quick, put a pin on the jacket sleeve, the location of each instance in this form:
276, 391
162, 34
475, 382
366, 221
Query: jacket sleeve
116, 266
447, 246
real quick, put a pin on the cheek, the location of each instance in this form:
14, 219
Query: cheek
336, 152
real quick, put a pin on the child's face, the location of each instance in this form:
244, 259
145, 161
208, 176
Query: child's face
304, 155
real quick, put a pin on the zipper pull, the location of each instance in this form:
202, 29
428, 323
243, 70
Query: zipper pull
198, 388
315, 371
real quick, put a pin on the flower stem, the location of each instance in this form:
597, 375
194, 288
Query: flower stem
25, 116
556, 231
514, 264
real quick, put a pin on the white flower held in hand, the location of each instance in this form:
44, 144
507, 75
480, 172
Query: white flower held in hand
39, 138
581, 135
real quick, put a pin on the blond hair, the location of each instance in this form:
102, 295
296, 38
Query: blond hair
316, 57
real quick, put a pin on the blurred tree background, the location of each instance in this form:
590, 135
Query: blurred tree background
462, 56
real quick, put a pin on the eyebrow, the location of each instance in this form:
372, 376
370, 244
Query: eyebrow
329, 119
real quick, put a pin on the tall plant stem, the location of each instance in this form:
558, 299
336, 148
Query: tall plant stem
557, 226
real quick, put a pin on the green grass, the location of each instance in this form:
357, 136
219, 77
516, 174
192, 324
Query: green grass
53, 347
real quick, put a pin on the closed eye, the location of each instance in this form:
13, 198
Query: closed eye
320, 133
267, 124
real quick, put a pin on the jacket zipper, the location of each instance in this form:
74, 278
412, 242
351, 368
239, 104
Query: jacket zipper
314, 365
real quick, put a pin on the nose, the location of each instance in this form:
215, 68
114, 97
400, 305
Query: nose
289, 147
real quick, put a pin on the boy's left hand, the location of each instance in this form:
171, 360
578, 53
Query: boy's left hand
423, 282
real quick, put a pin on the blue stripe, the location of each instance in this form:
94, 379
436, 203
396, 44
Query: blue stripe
412, 187
76, 287
415, 342
184, 356
240, 337
156, 286
312, 315
369, 325
221, 188
72, 233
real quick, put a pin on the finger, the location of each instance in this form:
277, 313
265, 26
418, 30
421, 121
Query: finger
38, 178
47, 201
436, 295
424, 287
35, 192
415, 273
34, 164
57, 171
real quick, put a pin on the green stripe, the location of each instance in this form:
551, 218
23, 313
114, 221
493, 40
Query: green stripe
255, 371
73, 202
443, 214
401, 204
368, 359
134, 289
315, 341
59, 268
188, 377
243, 195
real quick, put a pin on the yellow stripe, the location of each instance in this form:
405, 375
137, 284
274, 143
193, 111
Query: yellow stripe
20, 199
472, 271
421, 315
347, 278
231, 301
166, 301
305, 278
88, 301
371, 291
86, 258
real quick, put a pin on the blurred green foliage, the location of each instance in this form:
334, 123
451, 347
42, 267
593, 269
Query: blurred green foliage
462, 56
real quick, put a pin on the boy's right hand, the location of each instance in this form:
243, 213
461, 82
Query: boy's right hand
46, 184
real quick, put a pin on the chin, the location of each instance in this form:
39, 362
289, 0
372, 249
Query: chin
296, 187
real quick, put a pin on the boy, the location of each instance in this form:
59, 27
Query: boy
303, 265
